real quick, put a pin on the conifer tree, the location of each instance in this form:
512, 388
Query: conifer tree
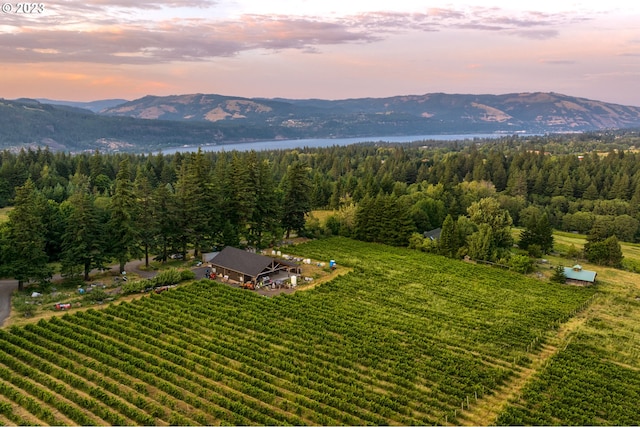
25, 252
558, 275
538, 232
145, 214
297, 198
266, 213
123, 231
166, 215
448, 244
193, 202
83, 243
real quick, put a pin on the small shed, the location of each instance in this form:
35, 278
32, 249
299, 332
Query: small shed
433, 234
578, 276
243, 266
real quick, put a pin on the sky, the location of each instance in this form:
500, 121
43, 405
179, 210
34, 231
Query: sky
329, 49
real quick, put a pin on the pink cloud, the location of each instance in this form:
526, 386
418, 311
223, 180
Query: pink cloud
109, 39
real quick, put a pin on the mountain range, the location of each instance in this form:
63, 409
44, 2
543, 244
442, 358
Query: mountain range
153, 122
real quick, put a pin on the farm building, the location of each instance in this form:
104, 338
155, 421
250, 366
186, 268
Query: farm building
433, 234
207, 257
243, 266
578, 276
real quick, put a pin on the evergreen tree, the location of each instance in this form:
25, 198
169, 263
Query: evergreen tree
83, 242
398, 224
367, 221
537, 232
241, 192
266, 213
614, 251
53, 224
145, 216
558, 275
166, 215
297, 198
448, 244
591, 193
25, 252
193, 203
123, 230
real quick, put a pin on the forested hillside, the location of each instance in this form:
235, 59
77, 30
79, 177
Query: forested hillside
124, 206
152, 123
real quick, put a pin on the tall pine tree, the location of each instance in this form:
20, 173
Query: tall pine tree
26, 249
83, 243
297, 198
448, 244
123, 230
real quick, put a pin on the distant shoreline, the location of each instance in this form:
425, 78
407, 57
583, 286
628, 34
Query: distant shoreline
288, 144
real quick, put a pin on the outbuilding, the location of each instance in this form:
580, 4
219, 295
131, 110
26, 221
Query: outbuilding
433, 235
577, 276
243, 266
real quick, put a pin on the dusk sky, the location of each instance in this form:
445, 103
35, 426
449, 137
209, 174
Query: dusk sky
331, 49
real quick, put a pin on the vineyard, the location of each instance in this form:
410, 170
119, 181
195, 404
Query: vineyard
405, 338
595, 380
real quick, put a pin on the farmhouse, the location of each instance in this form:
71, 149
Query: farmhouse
578, 276
243, 266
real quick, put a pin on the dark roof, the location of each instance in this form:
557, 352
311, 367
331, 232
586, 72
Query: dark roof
242, 261
433, 234
209, 256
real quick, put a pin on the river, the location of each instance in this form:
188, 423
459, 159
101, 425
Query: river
287, 144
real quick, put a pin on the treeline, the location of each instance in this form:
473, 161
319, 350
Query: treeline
90, 208
153, 206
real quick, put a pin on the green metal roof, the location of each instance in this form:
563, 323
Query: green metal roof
577, 273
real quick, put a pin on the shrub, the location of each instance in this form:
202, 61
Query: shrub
521, 263
21, 306
168, 277
187, 275
558, 275
137, 286
535, 250
96, 295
